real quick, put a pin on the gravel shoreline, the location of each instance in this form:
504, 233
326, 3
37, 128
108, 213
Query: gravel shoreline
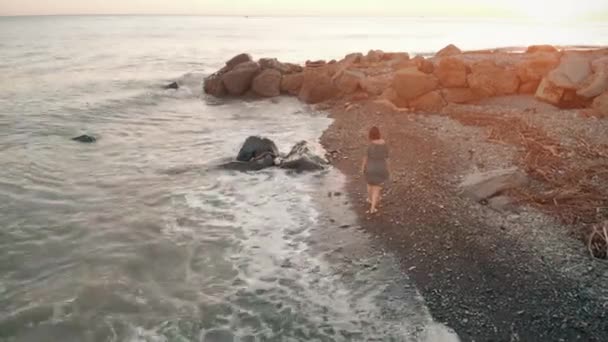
486, 274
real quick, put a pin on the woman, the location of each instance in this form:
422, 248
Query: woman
375, 168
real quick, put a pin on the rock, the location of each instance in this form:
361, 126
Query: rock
238, 59
301, 158
549, 92
424, 65
172, 85
374, 56
255, 147
572, 71
452, 73
315, 64
375, 85
411, 83
317, 87
274, 64
392, 56
430, 102
267, 83
294, 68
536, 66
600, 64
594, 85
501, 203
449, 50
238, 80
264, 161
292, 83
600, 105
460, 95
353, 58
529, 87
541, 48
347, 81
87, 139
213, 85
487, 79
283, 68
484, 185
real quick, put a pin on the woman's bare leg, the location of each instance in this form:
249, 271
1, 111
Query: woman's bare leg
369, 193
375, 198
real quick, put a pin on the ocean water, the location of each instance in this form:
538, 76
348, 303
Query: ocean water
140, 237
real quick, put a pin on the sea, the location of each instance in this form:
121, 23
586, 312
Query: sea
140, 236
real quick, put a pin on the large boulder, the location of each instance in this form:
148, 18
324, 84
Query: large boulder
528, 87
348, 81
485, 185
541, 48
600, 105
267, 83
449, 50
213, 85
411, 83
548, 92
256, 147
452, 73
292, 83
424, 65
487, 79
302, 158
600, 64
536, 66
594, 85
238, 59
376, 85
374, 56
238, 80
429, 102
283, 68
460, 95
317, 87
572, 71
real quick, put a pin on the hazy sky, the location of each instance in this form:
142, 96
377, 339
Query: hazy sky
561, 9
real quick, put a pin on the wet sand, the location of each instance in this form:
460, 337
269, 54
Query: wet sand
475, 275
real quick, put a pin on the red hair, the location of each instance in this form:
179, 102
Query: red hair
374, 133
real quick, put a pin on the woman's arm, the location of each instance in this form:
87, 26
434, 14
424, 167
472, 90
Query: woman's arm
364, 164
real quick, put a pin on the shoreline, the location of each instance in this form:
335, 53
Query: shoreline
484, 285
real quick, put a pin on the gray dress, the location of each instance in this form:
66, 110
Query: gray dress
376, 172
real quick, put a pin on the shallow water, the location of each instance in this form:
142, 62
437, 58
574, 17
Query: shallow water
139, 237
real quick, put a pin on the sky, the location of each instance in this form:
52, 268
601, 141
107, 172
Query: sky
536, 9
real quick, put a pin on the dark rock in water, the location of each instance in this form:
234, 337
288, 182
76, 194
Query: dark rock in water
85, 139
256, 147
301, 158
257, 164
173, 85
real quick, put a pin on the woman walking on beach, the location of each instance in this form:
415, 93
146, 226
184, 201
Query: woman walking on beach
375, 168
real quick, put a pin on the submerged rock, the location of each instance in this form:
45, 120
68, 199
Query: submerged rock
87, 139
172, 85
